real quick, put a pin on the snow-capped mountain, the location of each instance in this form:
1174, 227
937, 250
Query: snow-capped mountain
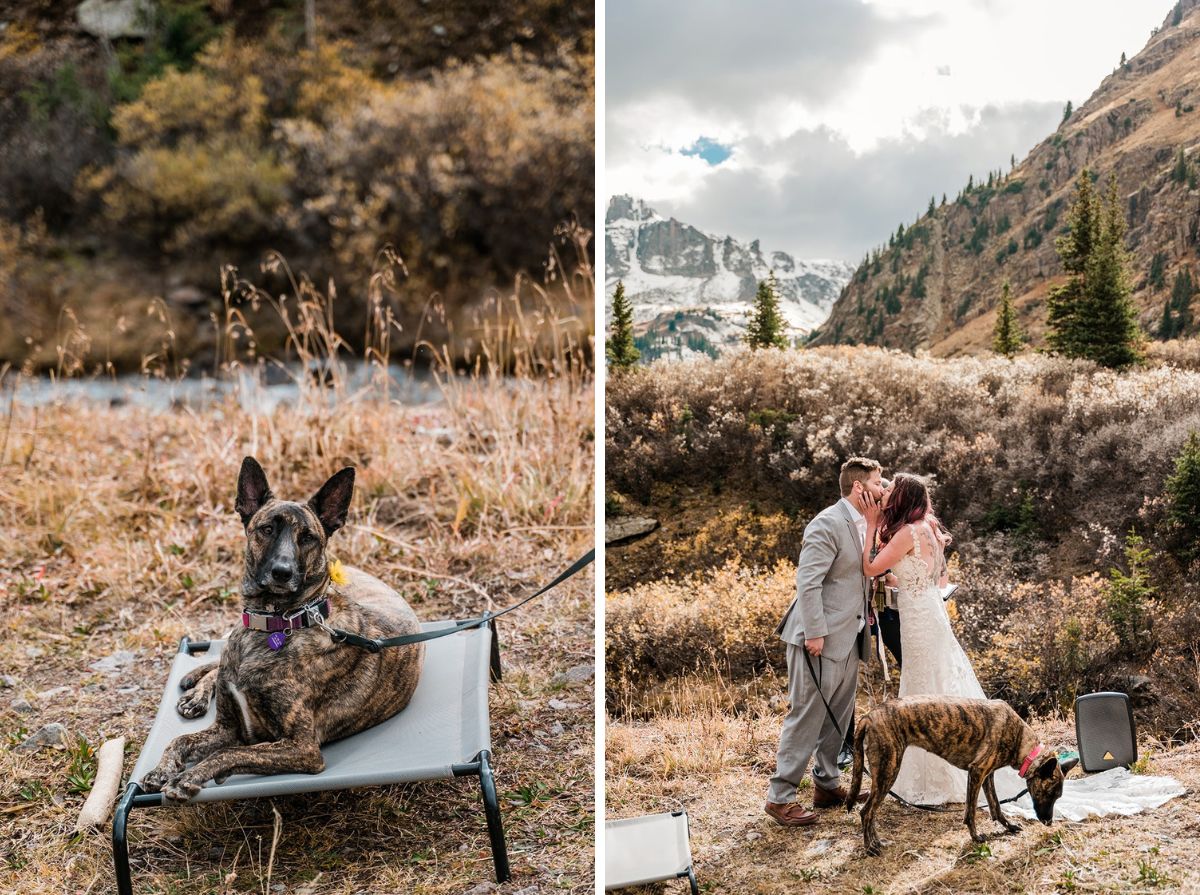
692, 291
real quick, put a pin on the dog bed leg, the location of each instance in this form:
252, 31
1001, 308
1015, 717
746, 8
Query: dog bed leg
120, 843
491, 809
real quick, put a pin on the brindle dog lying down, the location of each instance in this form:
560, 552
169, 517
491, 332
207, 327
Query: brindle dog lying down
283, 687
978, 735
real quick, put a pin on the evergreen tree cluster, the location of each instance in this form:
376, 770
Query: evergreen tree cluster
1092, 315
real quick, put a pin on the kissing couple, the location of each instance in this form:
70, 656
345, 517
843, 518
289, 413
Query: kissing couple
877, 530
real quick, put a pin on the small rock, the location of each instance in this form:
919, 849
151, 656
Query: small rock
579, 674
1139, 683
22, 706
819, 847
117, 661
54, 691
556, 729
34, 652
7, 680
439, 30
558, 705
115, 18
528, 890
621, 529
753, 835
54, 735
93, 688
482, 889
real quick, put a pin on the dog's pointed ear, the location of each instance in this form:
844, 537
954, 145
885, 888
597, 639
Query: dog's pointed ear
332, 502
252, 490
1049, 766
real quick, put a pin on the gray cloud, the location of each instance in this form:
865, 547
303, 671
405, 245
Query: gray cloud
725, 55
833, 203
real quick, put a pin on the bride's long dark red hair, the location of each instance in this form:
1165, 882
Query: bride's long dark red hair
909, 503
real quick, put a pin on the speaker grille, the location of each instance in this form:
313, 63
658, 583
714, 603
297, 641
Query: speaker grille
1105, 732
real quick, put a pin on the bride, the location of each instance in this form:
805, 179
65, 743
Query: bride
912, 546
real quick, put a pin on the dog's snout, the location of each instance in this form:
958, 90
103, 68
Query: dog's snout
281, 574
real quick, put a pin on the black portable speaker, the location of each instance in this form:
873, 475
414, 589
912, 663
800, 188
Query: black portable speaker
1105, 732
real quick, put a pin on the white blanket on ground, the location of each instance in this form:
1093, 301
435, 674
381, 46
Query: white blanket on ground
1115, 791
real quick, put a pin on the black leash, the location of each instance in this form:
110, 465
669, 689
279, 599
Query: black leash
891, 792
374, 646
842, 734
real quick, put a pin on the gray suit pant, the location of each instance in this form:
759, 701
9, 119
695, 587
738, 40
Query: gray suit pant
807, 728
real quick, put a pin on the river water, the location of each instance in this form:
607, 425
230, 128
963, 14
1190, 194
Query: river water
258, 391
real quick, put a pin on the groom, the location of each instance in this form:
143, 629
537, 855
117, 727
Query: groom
828, 621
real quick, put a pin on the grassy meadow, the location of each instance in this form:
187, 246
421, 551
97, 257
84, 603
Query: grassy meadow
1068, 491
121, 538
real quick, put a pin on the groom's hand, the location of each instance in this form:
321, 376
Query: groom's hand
815, 646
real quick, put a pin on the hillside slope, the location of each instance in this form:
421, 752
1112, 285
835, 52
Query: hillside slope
936, 284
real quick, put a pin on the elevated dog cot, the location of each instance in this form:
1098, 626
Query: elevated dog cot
648, 849
443, 732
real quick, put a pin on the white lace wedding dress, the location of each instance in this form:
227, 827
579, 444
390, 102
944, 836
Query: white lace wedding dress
934, 663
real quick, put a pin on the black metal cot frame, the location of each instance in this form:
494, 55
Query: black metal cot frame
689, 873
480, 766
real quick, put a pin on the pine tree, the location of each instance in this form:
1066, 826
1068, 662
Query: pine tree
931, 207
1179, 174
1068, 110
619, 349
1183, 496
1092, 315
1130, 597
766, 326
1114, 338
1063, 301
1177, 312
1007, 338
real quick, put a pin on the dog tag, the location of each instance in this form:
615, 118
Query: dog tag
277, 640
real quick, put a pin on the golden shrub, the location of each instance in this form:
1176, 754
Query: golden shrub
722, 620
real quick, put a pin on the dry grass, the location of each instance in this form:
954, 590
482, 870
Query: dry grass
715, 761
120, 535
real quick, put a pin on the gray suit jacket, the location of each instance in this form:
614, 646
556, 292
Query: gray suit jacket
832, 593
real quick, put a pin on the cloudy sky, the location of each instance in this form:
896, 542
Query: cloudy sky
819, 125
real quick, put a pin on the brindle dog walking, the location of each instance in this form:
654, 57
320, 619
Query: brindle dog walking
977, 735
280, 695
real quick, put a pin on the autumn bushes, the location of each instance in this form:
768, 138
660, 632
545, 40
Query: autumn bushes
1069, 491
1039, 443
215, 142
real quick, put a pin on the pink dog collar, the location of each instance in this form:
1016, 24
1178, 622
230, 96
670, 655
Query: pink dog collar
1037, 750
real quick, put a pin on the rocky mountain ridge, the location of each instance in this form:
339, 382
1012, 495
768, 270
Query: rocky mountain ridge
691, 290
937, 284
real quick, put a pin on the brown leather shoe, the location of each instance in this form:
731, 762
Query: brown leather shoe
790, 814
833, 798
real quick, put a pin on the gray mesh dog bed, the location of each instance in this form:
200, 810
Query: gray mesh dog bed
443, 732
648, 849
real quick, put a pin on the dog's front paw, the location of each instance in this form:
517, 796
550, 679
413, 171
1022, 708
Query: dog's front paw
875, 848
155, 780
1012, 827
193, 703
182, 789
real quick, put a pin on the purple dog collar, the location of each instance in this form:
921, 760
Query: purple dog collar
273, 622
